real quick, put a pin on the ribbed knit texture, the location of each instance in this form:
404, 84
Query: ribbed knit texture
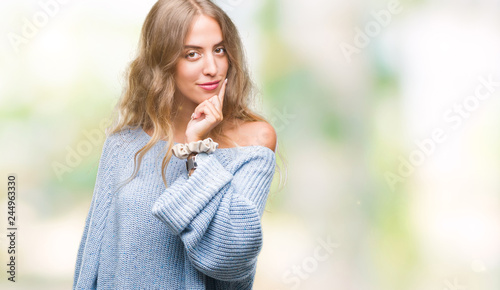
202, 232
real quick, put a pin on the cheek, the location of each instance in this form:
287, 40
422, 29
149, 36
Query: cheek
224, 66
186, 73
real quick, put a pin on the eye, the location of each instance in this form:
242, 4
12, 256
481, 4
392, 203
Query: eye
192, 55
220, 50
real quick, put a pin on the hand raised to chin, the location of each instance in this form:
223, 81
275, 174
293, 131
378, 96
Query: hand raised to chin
206, 116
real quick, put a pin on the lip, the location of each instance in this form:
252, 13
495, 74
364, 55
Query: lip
210, 86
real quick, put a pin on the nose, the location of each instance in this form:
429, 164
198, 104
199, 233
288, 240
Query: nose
210, 66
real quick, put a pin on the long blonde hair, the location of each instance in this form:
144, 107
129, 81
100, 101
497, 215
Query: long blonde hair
148, 99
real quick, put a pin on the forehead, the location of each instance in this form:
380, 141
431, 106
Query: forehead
204, 32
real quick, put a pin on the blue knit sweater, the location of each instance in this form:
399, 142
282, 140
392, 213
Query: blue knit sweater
202, 232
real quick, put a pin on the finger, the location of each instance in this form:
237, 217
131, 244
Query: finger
215, 101
222, 93
207, 108
198, 110
212, 110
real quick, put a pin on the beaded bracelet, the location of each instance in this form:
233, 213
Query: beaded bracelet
182, 151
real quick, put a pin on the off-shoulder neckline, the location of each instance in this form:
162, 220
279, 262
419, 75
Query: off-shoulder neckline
146, 135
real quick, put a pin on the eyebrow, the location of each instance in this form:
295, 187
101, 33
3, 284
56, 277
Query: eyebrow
199, 47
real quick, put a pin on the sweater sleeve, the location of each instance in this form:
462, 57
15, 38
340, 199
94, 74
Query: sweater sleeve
217, 213
87, 261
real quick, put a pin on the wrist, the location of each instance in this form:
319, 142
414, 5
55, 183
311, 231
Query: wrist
193, 161
192, 139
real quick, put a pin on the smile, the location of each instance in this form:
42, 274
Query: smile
209, 86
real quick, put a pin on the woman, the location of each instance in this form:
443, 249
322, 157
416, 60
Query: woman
181, 229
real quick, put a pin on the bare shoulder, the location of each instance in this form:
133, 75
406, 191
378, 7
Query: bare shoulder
259, 133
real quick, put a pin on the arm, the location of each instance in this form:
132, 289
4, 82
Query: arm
217, 213
88, 251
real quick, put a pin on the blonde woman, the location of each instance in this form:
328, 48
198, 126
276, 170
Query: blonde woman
192, 220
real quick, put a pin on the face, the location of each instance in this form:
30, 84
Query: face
203, 65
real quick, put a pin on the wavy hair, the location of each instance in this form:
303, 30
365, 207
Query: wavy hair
148, 99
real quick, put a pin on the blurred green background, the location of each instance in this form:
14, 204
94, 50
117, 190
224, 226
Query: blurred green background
387, 114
